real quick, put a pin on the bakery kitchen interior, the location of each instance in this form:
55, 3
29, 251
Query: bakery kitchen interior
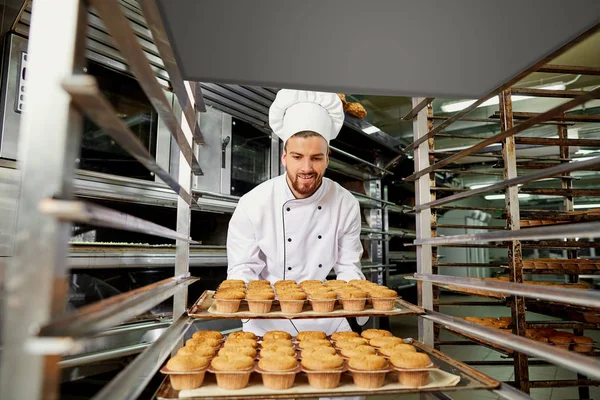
253, 200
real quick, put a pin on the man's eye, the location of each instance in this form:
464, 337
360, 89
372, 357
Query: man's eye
296, 157
318, 159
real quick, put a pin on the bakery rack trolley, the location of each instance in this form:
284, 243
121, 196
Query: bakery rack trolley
559, 233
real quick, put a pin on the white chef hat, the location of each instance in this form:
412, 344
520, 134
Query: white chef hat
296, 111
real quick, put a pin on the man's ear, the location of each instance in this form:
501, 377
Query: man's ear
283, 158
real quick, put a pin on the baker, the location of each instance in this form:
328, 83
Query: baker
299, 225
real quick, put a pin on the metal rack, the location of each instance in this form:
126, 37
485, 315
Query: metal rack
516, 294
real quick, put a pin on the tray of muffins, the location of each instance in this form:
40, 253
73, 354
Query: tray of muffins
310, 364
259, 299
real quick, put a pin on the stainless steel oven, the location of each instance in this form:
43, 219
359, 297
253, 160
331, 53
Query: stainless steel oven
99, 153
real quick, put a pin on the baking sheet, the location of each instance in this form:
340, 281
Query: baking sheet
468, 379
204, 308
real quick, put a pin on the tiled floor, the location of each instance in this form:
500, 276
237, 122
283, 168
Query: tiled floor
407, 327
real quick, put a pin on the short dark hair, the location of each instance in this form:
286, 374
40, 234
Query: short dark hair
303, 134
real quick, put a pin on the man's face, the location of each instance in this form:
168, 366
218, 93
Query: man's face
306, 160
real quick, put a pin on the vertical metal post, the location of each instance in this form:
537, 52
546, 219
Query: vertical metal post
184, 214
434, 250
515, 259
275, 156
49, 138
386, 243
423, 222
375, 220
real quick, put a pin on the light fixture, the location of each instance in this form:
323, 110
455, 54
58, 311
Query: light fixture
501, 196
580, 206
369, 130
479, 186
461, 105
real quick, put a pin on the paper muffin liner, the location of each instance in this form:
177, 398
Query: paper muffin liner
185, 380
353, 304
259, 306
413, 378
369, 379
322, 305
227, 306
291, 306
324, 379
383, 303
232, 380
278, 380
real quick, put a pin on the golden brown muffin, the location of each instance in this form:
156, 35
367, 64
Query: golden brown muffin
316, 350
356, 109
278, 363
232, 362
354, 294
383, 293
277, 342
259, 283
410, 360
295, 295
310, 335
373, 333
358, 350
310, 282
287, 282
187, 363
368, 362
546, 332
385, 341
396, 348
335, 283
196, 351
241, 342
260, 295
323, 294
238, 350
342, 98
351, 342
560, 341
203, 342
344, 335
241, 335
277, 351
230, 295
276, 335
323, 362
583, 340
306, 343
583, 344
565, 334
207, 335
475, 320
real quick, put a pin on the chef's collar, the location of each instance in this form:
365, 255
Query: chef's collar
289, 195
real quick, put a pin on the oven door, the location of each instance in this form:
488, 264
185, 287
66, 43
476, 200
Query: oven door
99, 153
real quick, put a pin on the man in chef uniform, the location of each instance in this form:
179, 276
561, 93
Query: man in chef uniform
299, 225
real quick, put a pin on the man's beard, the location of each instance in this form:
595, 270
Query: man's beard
305, 188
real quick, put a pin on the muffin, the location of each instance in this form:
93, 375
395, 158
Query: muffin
202, 351
232, 282
278, 372
208, 342
260, 301
313, 342
583, 344
228, 301
240, 342
407, 361
207, 335
546, 332
238, 350
360, 350
291, 302
335, 283
349, 343
560, 341
324, 371
195, 365
261, 283
368, 371
280, 343
232, 371
275, 335
383, 299
323, 300
565, 334
274, 351
390, 350
343, 335
373, 333
241, 335
310, 282
310, 335
354, 300
317, 350
385, 341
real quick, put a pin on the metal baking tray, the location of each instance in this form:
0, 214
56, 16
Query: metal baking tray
470, 379
200, 309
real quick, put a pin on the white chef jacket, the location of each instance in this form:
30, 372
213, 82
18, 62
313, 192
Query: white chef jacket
273, 235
